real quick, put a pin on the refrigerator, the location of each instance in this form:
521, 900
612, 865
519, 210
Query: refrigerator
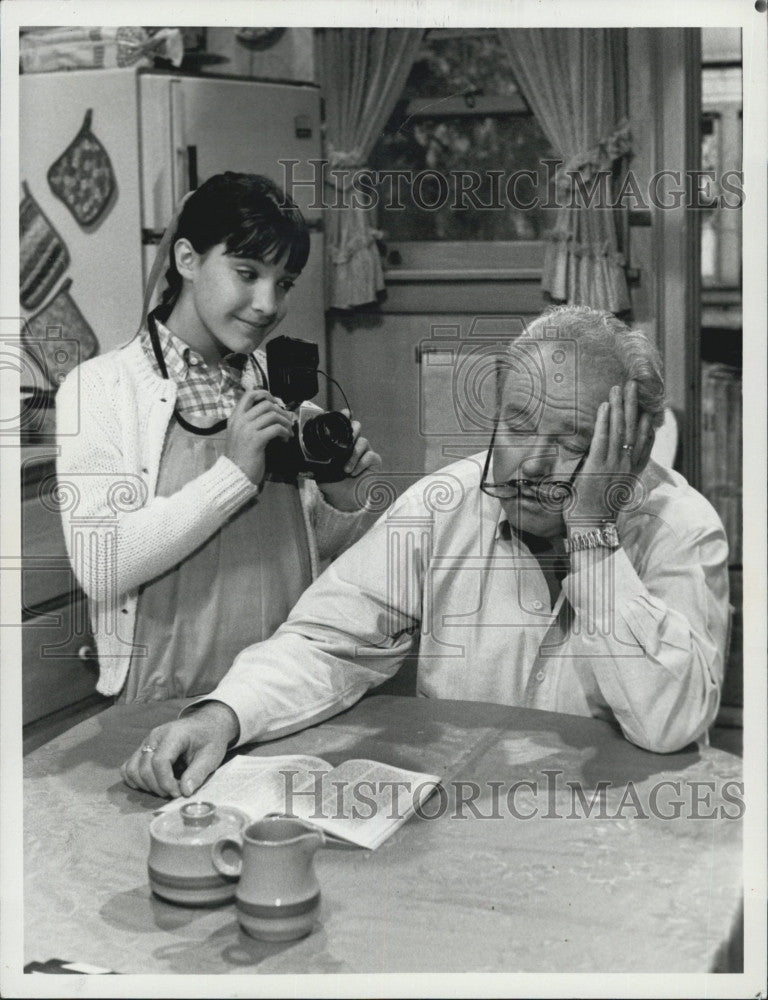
159, 134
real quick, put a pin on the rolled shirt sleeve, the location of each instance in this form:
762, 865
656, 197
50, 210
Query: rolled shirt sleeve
655, 638
335, 530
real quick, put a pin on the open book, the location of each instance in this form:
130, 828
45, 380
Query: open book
360, 801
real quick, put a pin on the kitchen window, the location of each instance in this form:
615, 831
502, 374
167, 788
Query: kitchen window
461, 163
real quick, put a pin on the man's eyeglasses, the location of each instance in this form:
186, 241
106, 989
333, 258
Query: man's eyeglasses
550, 492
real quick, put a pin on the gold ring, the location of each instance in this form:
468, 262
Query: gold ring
627, 447
148, 749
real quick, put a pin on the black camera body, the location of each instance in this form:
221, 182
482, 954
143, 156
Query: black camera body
321, 442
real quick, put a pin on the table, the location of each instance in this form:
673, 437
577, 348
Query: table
597, 893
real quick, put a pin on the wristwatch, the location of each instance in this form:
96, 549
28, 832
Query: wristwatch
593, 538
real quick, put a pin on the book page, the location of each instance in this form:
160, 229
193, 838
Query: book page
364, 801
256, 785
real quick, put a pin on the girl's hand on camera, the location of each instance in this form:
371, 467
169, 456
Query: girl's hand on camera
345, 495
257, 419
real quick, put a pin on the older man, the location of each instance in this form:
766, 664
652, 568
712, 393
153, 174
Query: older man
561, 570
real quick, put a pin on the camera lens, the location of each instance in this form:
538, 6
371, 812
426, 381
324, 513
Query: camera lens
327, 437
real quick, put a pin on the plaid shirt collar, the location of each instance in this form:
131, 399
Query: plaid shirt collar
205, 392
180, 359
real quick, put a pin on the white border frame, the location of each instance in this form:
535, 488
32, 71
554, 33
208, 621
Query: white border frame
404, 13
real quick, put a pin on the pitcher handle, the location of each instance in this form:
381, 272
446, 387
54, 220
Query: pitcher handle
234, 868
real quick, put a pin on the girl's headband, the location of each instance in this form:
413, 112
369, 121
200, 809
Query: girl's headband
160, 258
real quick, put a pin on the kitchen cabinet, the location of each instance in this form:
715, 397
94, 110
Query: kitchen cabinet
59, 663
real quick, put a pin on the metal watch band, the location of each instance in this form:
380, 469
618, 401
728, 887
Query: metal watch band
594, 538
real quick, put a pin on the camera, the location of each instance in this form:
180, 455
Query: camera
322, 441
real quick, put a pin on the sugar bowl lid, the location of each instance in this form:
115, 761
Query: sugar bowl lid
198, 823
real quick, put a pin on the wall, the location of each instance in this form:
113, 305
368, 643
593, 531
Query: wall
291, 57
664, 107
399, 365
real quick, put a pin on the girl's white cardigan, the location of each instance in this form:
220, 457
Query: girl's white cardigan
112, 416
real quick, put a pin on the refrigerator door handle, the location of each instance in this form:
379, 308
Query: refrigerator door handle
151, 237
179, 170
192, 168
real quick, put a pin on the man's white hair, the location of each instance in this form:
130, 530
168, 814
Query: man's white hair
603, 339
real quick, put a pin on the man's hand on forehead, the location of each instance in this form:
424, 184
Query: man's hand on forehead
618, 453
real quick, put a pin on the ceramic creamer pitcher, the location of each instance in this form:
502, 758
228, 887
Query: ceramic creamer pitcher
278, 895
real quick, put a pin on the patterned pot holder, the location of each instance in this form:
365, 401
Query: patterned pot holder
43, 255
59, 336
83, 176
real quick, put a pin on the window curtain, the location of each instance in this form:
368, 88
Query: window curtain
362, 74
575, 83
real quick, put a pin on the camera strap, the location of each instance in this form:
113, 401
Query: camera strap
150, 319
216, 428
220, 425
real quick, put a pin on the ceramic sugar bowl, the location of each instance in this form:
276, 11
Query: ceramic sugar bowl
181, 869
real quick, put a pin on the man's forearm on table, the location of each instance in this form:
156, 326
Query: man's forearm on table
601, 582
292, 686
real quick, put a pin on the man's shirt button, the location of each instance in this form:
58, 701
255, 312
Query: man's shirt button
538, 605
540, 675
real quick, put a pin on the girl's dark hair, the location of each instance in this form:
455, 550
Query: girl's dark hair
249, 214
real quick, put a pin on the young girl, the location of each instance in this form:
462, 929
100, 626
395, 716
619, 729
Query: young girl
186, 551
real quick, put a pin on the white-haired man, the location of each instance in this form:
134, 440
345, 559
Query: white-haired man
561, 570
